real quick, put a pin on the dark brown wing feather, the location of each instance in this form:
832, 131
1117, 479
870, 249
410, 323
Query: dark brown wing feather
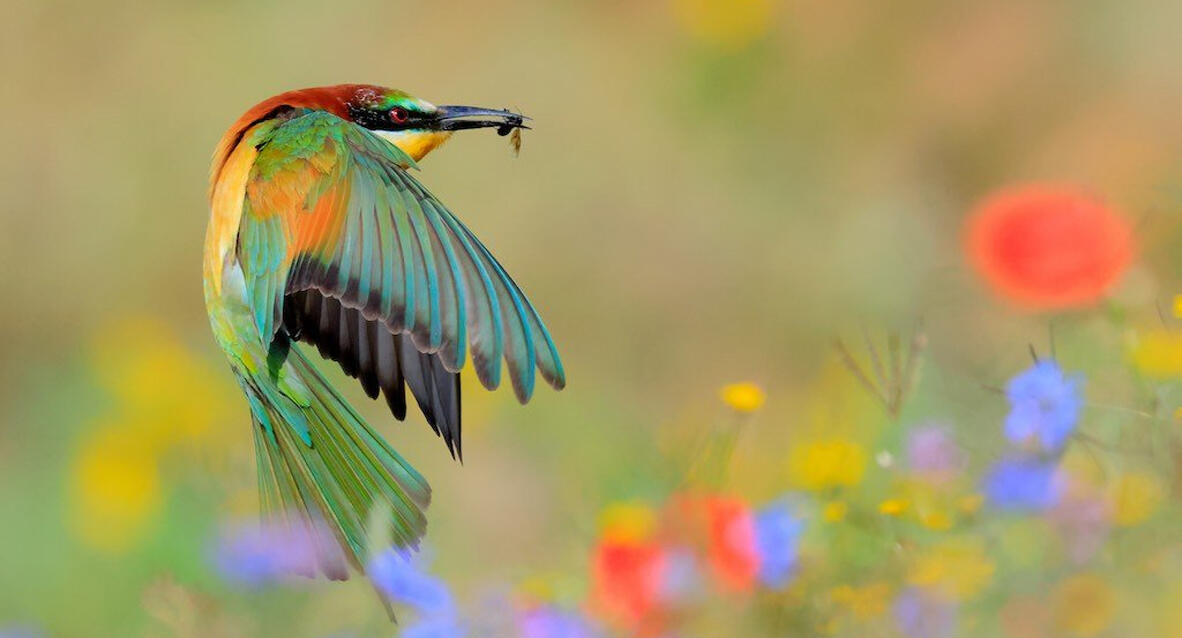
383, 361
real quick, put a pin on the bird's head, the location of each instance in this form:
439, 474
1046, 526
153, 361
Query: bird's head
413, 125
417, 126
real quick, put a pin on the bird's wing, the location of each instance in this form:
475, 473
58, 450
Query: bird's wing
342, 248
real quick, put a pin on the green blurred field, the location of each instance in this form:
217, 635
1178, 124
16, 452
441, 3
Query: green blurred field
711, 192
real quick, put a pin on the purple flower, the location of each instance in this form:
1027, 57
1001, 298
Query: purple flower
438, 627
1022, 484
1044, 406
922, 614
680, 578
1082, 519
932, 452
260, 554
547, 621
777, 534
399, 578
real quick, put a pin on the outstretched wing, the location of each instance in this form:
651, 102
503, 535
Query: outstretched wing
343, 249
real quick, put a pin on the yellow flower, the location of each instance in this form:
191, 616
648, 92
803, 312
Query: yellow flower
937, 520
893, 506
1177, 306
827, 463
1135, 497
159, 383
835, 511
864, 602
114, 489
743, 397
1158, 354
627, 522
957, 568
970, 503
538, 587
1083, 605
728, 24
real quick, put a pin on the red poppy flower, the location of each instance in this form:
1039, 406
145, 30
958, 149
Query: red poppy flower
627, 584
1047, 246
732, 550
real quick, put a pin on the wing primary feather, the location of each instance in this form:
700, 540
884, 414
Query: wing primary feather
522, 372
365, 361
390, 373
347, 337
408, 267
367, 218
458, 350
445, 386
487, 362
330, 317
415, 214
416, 378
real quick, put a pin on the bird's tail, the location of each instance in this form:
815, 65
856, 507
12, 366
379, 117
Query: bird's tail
322, 468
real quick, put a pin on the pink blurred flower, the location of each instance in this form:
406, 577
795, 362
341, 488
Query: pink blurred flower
933, 453
1083, 518
548, 621
923, 614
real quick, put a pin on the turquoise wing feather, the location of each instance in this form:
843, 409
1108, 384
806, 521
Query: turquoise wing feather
331, 209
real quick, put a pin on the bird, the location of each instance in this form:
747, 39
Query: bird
322, 240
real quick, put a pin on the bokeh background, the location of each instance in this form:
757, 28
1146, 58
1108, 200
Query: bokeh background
714, 192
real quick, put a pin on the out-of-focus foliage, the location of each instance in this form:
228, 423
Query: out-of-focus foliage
712, 192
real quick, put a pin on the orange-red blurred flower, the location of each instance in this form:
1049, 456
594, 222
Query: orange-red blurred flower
1048, 246
732, 549
627, 584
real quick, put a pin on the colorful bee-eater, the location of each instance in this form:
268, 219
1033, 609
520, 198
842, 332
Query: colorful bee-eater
319, 233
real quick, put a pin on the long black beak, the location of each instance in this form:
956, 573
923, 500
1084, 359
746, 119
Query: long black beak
458, 118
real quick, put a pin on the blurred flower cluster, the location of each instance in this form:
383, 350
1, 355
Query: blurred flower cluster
917, 541
159, 398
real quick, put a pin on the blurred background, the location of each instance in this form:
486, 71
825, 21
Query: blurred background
713, 192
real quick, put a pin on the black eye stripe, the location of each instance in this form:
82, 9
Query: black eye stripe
384, 119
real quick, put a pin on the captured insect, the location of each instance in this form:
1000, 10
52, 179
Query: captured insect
512, 128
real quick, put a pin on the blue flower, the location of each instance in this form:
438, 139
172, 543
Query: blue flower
777, 534
257, 555
1019, 483
547, 621
396, 575
1044, 406
438, 627
921, 614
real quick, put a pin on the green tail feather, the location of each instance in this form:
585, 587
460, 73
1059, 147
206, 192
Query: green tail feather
347, 473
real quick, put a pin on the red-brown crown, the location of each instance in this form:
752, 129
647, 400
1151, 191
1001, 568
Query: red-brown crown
334, 99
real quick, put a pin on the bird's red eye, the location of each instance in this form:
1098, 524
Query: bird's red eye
399, 115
